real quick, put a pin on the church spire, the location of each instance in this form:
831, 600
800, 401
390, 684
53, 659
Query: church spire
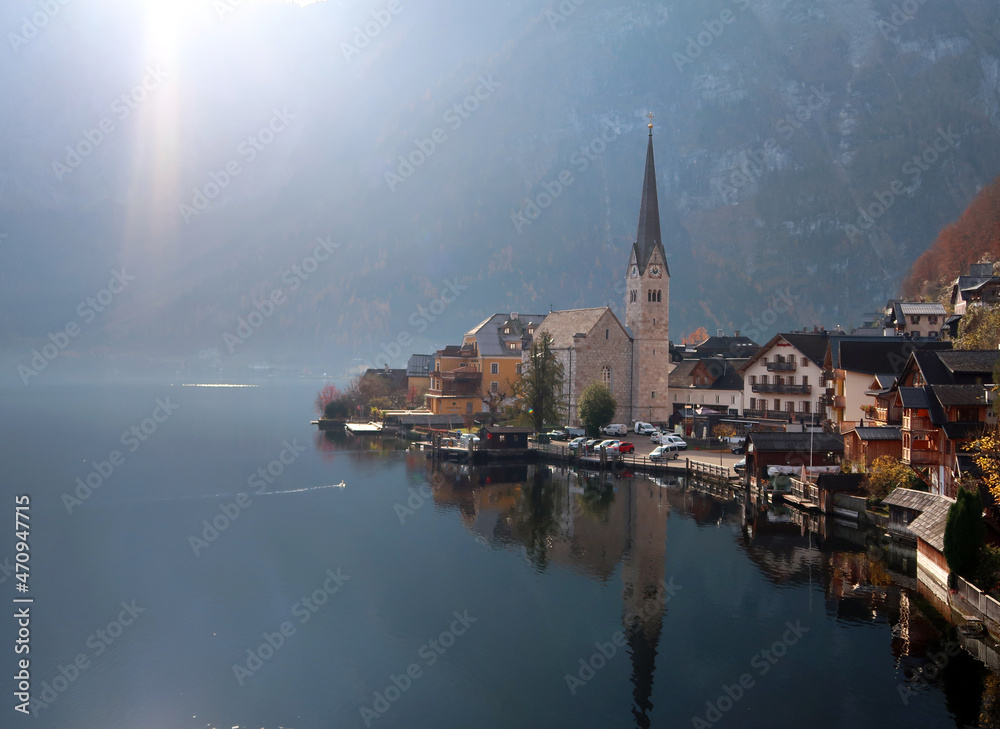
647, 238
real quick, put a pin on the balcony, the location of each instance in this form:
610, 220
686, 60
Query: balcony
781, 367
783, 389
917, 422
840, 401
920, 457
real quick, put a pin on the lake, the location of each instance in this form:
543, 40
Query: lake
202, 557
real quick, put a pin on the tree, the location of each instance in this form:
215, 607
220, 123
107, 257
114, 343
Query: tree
964, 534
887, 473
724, 431
979, 328
597, 407
324, 397
696, 337
538, 390
494, 403
987, 459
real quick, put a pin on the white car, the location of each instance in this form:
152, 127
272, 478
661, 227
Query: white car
671, 439
611, 445
642, 428
615, 429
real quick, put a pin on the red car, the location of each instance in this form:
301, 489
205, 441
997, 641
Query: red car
625, 447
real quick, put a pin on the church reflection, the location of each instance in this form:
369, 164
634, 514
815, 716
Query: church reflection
585, 521
595, 523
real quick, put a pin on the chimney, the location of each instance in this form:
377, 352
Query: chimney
736, 333
721, 333
815, 329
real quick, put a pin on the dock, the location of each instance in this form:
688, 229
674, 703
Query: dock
363, 428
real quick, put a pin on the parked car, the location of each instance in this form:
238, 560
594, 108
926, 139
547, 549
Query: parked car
664, 453
615, 429
671, 439
740, 466
576, 444
610, 444
642, 428
575, 432
738, 450
588, 446
626, 447
557, 434
654, 437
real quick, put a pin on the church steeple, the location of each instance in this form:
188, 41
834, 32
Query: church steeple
647, 238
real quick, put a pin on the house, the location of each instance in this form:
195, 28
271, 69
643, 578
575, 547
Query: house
850, 364
784, 379
932, 567
418, 374
593, 346
385, 382
722, 345
832, 487
865, 444
946, 402
914, 319
712, 383
497, 343
979, 288
905, 505
796, 450
500, 438
456, 392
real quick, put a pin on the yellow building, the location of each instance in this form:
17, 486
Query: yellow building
498, 342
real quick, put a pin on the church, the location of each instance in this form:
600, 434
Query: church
632, 357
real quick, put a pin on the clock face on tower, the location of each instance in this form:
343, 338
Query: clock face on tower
655, 271
634, 273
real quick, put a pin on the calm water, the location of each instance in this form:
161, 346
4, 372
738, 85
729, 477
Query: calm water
463, 599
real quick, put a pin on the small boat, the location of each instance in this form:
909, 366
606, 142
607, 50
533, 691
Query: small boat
340, 485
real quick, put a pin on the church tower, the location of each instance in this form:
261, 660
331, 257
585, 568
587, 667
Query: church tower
647, 306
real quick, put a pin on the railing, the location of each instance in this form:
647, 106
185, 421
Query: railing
783, 389
805, 490
781, 367
911, 422
920, 457
982, 603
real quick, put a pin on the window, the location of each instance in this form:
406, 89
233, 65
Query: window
652, 395
805, 363
777, 404
468, 407
494, 368
753, 380
753, 403
791, 379
763, 379
932, 320
517, 368
805, 380
512, 346
790, 406
806, 406
914, 320
764, 360
607, 333
716, 398
606, 376
494, 387
734, 400
659, 295
506, 330
791, 358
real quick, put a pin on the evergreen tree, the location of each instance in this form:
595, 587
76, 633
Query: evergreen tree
538, 392
964, 534
597, 407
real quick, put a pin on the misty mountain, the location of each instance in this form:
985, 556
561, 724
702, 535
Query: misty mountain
492, 153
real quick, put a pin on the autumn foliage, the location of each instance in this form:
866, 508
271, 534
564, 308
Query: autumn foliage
695, 338
974, 237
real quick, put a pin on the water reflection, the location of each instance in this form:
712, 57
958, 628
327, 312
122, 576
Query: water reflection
598, 523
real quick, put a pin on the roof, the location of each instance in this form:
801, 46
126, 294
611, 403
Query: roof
873, 356
884, 433
724, 375
811, 345
491, 339
420, 365
929, 526
963, 431
913, 397
961, 395
804, 442
910, 499
916, 308
970, 361
736, 346
647, 237
396, 379
506, 429
563, 326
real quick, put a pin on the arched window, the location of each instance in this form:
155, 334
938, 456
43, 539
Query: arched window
606, 376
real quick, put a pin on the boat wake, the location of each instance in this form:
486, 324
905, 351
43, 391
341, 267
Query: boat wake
202, 497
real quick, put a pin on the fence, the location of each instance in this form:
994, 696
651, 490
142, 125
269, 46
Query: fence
978, 600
